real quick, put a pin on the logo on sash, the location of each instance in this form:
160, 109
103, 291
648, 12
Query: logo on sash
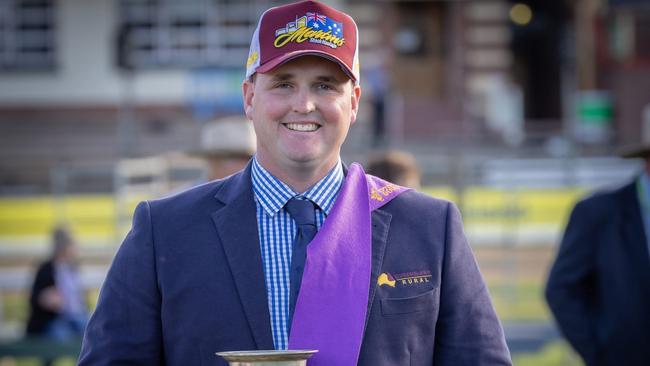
378, 194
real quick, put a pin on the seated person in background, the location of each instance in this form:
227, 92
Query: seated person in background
398, 167
58, 309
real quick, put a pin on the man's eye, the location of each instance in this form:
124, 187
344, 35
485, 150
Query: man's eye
282, 85
324, 86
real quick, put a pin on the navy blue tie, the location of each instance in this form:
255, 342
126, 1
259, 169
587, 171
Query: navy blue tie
302, 211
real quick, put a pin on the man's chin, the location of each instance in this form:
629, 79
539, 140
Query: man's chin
304, 160
312, 161
302, 156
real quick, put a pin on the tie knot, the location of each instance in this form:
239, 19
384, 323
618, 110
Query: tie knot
302, 211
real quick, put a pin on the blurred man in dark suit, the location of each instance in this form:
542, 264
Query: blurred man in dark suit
599, 285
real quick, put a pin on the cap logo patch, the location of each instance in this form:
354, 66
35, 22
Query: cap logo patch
312, 27
251, 59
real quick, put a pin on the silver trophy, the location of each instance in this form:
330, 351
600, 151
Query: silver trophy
267, 358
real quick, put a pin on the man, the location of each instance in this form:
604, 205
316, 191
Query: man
226, 146
399, 167
237, 264
599, 286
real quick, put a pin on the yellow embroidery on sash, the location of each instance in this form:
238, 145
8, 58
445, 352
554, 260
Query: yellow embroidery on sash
376, 196
379, 194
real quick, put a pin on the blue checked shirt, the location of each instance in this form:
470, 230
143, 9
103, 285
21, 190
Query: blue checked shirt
277, 230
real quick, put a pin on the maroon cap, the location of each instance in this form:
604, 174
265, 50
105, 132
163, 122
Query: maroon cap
304, 28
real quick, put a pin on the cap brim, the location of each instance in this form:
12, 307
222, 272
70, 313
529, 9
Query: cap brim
272, 64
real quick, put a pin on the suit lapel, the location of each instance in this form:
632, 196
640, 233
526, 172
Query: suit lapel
634, 234
237, 230
380, 226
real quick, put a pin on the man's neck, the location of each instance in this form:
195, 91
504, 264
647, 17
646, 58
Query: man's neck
299, 177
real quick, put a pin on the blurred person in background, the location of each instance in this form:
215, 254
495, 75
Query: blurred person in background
58, 307
226, 146
378, 82
599, 286
297, 251
397, 167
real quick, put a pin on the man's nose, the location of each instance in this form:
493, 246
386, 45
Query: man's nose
304, 101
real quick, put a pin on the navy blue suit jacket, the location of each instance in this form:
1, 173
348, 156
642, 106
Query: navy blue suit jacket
599, 286
188, 282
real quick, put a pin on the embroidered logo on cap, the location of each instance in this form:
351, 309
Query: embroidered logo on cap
312, 27
251, 58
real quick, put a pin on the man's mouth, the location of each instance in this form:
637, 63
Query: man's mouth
302, 127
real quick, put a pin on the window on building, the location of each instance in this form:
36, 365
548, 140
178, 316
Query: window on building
27, 30
190, 33
627, 35
643, 36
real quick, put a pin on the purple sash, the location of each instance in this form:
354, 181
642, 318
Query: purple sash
331, 308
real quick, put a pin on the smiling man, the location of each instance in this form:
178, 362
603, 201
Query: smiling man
297, 251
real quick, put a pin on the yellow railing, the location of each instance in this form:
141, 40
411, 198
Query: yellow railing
100, 218
103, 218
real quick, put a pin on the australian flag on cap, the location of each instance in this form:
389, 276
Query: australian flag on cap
322, 22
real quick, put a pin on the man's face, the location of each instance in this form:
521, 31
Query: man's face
69, 254
301, 111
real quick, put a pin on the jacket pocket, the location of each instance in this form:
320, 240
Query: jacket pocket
406, 305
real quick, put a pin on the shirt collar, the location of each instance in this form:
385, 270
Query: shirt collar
273, 194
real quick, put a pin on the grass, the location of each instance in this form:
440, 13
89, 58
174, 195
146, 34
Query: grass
30, 361
15, 306
554, 354
519, 301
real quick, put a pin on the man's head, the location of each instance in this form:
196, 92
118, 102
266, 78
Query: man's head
641, 150
64, 247
398, 167
638, 151
302, 91
226, 146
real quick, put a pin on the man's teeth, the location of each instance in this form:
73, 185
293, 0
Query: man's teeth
303, 127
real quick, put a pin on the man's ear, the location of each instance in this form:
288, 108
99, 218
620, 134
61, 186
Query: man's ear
356, 95
248, 92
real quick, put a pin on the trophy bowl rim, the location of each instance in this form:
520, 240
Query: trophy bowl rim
267, 355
